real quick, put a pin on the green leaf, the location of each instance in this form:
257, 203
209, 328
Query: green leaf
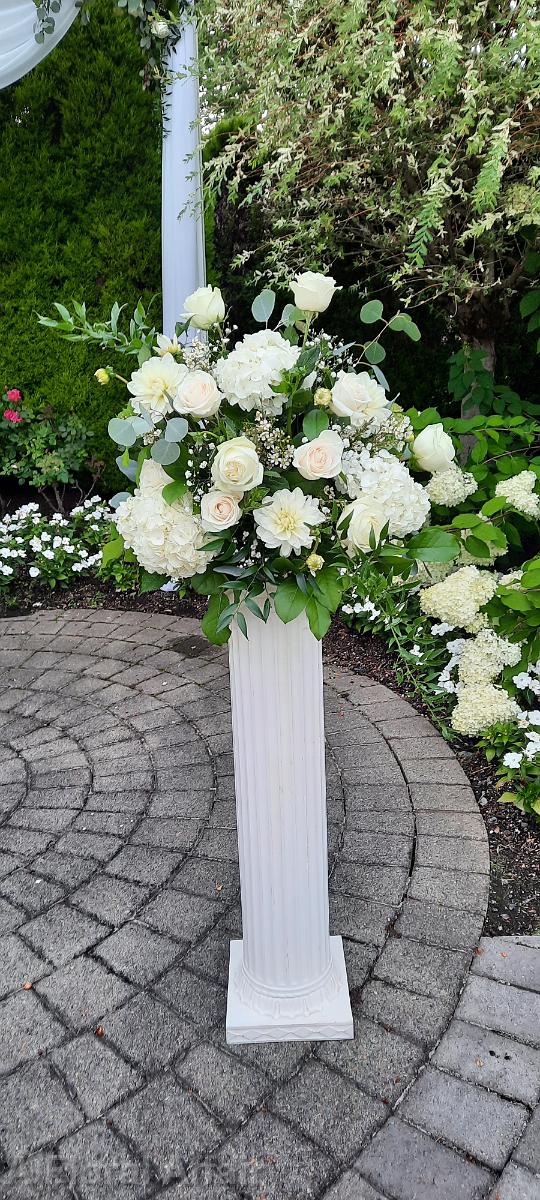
164, 452
314, 422
151, 582
516, 601
207, 584
118, 498
375, 353
173, 491
121, 431
319, 618
112, 550
528, 304
329, 583
434, 545
176, 429
371, 312
494, 506
289, 601
263, 306
308, 360
209, 625
531, 579
475, 546
242, 624
466, 521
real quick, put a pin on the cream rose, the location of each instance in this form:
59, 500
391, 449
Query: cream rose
367, 516
219, 511
313, 292
320, 458
198, 395
360, 399
205, 307
236, 467
433, 449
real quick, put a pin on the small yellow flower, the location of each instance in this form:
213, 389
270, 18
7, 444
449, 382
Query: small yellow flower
315, 562
102, 376
322, 398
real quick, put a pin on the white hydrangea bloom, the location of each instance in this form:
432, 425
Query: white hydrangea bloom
165, 538
390, 483
481, 705
451, 487
519, 491
248, 375
485, 656
457, 600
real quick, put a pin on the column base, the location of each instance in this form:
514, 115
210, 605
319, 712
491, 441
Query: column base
331, 1022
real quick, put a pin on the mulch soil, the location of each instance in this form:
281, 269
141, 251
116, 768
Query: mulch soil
514, 838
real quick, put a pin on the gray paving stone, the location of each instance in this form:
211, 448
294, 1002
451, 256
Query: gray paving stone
40, 1176
427, 970
138, 953
277, 1059
498, 1063
30, 891
385, 884
203, 1182
100, 1167
516, 1184
359, 959
62, 932
451, 825
447, 798
392, 850
501, 1007
34, 1110
149, 1033
378, 1060
143, 865
331, 1110
186, 993
395, 821
226, 1085
167, 832
421, 1018
438, 925
406, 1163
112, 900
51, 820
65, 869
393, 798
210, 958
453, 888
83, 992
100, 847
352, 1187
11, 917
96, 1075
23, 842
18, 964
506, 960
455, 854
476, 1121
360, 920
527, 1152
168, 1126
183, 916
28, 1030
266, 1158
434, 770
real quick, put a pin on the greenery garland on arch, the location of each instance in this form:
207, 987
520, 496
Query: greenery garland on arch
159, 25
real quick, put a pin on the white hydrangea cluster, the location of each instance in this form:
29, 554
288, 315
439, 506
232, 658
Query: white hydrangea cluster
390, 484
458, 599
451, 487
248, 375
166, 538
519, 491
481, 705
484, 657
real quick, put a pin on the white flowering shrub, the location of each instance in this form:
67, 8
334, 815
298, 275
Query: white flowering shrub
54, 550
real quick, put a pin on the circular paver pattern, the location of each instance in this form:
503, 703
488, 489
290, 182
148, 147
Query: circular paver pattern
119, 894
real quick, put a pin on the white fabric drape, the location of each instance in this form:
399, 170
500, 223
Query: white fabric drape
19, 51
183, 265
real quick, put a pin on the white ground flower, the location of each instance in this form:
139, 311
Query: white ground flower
512, 760
155, 385
248, 375
458, 599
485, 656
481, 705
390, 483
285, 520
519, 491
451, 487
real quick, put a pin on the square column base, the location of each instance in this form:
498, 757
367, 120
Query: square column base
332, 1022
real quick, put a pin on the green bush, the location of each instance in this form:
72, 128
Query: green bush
80, 197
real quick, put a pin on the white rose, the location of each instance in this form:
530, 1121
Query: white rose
367, 516
198, 395
205, 307
320, 458
219, 511
360, 399
152, 477
433, 449
236, 467
313, 292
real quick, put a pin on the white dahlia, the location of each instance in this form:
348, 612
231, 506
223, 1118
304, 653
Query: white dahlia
284, 522
155, 385
249, 373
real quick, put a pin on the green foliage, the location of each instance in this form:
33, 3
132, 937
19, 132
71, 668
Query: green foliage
54, 551
80, 198
42, 450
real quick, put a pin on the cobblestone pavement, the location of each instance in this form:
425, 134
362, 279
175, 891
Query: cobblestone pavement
119, 894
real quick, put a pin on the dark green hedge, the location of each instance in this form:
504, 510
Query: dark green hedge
80, 196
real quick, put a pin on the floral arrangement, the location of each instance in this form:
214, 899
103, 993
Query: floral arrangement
264, 472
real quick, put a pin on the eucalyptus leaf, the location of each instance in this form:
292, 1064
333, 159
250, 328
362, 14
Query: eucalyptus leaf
128, 469
122, 431
119, 498
176, 429
263, 306
371, 312
165, 452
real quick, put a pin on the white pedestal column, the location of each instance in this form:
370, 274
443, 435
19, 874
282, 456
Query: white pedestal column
287, 978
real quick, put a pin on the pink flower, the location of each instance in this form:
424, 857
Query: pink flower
11, 415
13, 395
